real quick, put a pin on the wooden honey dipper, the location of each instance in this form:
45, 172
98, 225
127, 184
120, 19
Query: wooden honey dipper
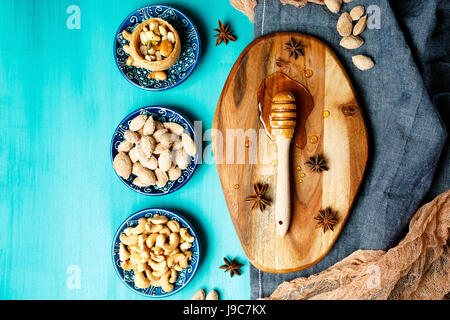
283, 118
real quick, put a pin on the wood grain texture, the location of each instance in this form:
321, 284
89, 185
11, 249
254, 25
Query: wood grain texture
341, 139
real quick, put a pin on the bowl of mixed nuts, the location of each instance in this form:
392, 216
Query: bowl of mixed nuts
157, 47
154, 151
155, 252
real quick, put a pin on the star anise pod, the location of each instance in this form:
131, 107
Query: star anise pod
295, 48
317, 164
223, 34
258, 200
232, 266
326, 219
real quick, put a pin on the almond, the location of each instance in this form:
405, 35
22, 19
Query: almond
174, 127
165, 160
363, 62
167, 139
351, 42
360, 26
158, 133
188, 144
182, 159
149, 163
333, 5
122, 165
125, 146
357, 12
134, 154
161, 178
149, 126
148, 145
174, 173
138, 122
345, 24
131, 136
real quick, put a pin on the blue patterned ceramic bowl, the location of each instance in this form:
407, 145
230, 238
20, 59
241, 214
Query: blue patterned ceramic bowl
184, 277
190, 48
162, 114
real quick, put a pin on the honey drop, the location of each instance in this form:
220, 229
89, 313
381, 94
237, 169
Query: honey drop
236, 186
326, 114
302, 175
308, 73
313, 139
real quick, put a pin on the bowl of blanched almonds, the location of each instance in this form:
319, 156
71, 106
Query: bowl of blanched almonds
153, 150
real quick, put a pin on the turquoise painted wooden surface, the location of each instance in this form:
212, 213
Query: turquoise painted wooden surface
61, 96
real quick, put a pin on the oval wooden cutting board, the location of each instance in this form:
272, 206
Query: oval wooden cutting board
334, 128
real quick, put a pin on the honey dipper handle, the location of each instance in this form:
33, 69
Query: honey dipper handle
283, 192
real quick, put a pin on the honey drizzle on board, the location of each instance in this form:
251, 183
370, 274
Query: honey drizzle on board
278, 82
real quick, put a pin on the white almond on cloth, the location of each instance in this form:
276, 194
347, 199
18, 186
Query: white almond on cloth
351, 42
357, 12
334, 5
189, 144
345, 24
360, 26
122, 165
363, 62
138, 122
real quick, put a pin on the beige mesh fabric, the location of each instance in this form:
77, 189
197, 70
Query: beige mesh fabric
417, 268
247, 7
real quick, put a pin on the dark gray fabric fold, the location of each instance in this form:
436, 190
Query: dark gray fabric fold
406, 102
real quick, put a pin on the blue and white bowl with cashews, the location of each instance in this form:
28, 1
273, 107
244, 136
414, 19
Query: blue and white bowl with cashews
156, 252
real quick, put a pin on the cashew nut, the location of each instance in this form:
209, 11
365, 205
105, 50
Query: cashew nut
151, 239
123, 253
160, 240
156, 228
156, 249
185, 246
185, 235
140, 228
174, 240
174, 259
173, 275
128, 240
158, 219
140, 280
127, 265
165, 231
174, 226
164, 282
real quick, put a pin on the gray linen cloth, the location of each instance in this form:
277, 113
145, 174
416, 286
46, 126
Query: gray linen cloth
401, 96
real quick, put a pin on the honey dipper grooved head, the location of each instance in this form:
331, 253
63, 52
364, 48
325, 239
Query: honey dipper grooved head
283, 115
